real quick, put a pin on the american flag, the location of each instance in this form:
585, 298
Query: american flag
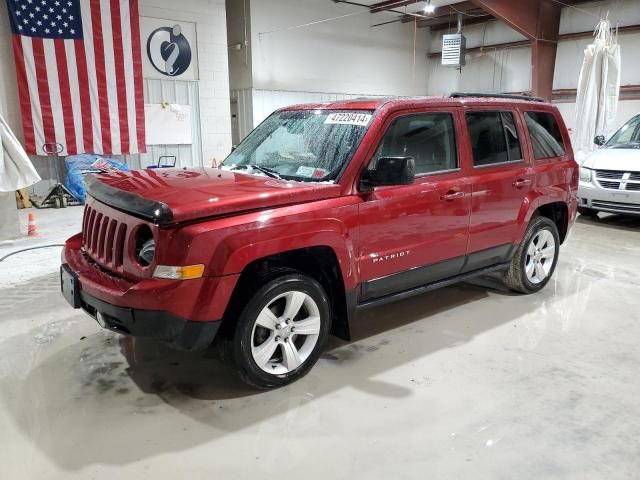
79, 72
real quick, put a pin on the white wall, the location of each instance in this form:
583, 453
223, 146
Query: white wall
345, 56
626, 110
211, 30
266, 101
504, 70
493, 70
338, 59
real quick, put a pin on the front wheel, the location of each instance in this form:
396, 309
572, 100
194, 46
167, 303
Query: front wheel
281, 331
535, 259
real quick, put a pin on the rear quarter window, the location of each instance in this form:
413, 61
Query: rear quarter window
545, 134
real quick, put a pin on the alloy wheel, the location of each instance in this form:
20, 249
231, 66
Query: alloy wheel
541, 254
285, 332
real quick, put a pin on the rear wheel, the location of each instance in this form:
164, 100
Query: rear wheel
281, 331
535, 259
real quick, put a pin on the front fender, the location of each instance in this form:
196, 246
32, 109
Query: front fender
244, 248
227, 245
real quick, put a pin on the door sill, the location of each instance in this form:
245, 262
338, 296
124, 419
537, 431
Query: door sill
430, 286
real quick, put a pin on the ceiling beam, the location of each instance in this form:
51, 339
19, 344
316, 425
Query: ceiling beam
443, 16
447, 10
443, 23
386, 5
389, 9
465, 7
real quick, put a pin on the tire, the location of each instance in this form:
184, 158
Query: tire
587, 212
532, 266
265, 348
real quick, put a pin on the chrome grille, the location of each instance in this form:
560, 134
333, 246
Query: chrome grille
618, 180
103, 238
612, 185
615, 175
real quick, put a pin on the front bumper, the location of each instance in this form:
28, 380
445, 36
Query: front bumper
184, 314
175, 331
606, 200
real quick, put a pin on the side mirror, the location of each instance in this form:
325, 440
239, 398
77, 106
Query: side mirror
390, 171
600, 140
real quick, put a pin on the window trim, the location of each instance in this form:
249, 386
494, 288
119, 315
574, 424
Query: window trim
510, 162
438, 172
456, 145
506, 139
563, 143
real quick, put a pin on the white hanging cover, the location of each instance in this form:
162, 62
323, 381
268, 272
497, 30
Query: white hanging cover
598, 90
16, 170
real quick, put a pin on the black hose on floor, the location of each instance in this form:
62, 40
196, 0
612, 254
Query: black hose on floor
32, 248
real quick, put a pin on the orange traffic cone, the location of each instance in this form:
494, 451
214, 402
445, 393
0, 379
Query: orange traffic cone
32, 230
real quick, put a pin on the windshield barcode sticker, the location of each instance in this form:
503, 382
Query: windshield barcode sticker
359, 119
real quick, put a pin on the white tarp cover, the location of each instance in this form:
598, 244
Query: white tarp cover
598, 89
16, 170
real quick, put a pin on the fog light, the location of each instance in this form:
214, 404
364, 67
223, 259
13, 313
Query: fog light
179, 273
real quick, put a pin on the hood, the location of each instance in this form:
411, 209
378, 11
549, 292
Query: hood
167, 196
622, 159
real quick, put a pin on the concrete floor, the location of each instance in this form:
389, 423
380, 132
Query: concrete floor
465, 382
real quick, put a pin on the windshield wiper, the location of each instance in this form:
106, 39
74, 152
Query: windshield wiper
269, 172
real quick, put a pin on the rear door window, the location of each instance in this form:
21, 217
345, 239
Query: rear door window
494, 138
546, 137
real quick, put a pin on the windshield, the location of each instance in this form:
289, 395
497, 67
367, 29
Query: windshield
628, 134
306, 145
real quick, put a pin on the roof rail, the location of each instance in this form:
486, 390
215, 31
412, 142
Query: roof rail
496, 95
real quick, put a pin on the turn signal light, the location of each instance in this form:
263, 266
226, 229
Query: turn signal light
187, 272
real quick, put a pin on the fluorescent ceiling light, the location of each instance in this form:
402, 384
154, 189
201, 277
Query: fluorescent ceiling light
428, 8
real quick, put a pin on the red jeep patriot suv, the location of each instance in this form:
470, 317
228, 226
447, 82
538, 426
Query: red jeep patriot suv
321, 211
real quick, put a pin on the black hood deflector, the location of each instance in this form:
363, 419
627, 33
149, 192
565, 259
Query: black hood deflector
151, 210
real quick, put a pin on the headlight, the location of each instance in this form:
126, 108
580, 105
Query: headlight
145, 246
147, 252
179, 273
585, 174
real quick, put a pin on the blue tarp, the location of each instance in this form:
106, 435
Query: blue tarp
77, 166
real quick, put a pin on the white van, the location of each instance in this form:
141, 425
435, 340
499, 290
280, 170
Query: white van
610, 176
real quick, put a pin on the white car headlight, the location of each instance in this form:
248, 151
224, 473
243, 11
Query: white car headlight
585, 174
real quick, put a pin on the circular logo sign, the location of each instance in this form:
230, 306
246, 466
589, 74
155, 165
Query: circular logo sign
169, 51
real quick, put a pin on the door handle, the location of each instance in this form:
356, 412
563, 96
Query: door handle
522, 182
452, 195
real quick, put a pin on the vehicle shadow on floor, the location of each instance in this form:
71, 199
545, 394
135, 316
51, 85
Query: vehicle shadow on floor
123, 394
156, 368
